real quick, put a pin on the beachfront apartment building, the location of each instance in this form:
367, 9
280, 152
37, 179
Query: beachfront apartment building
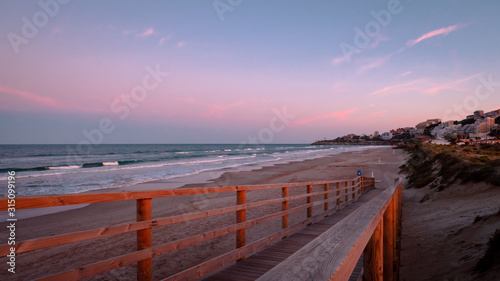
482, 127
478, 114
486, 125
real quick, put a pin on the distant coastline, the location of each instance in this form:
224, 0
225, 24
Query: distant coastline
332, 142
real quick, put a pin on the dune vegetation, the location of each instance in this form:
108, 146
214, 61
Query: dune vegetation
442, 165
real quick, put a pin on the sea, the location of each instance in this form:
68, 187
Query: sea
65, 169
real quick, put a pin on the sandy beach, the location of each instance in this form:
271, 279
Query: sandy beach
382, 162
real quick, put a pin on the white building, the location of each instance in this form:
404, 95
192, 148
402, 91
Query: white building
443, 131
387, 136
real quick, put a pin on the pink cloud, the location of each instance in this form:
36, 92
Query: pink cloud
218, 110
372, 116
442, 31
374, 63
340, 115
181, 44
453, 85
339, 60
405, 87
146, 32
378, 114
163, 39
405, 74
28, 95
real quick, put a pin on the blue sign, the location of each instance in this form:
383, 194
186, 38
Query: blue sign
359, 173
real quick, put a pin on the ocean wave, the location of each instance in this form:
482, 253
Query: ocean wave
23, 169
65, 167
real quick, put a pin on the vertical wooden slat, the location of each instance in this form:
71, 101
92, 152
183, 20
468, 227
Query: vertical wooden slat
373, 256
327, 195
389, 242
241, 198
309, 200
284, 207
144, 240
338, 195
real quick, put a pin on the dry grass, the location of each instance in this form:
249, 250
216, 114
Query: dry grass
442, 165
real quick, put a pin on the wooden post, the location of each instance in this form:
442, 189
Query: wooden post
346, 191
360, 185
398, 223
353, 190
327, 196
241, 198
284, 207
373, 256
389, 241
309, 200
144, 240
338, 195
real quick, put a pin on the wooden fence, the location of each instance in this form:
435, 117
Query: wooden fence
336, 194
373, 230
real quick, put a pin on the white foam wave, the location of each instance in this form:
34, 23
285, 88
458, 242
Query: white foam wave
65, 167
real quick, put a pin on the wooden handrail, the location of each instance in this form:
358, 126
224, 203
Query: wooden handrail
334, 254
145, 251
30, 202
44, 242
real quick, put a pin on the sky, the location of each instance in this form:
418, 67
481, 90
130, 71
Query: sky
238, 71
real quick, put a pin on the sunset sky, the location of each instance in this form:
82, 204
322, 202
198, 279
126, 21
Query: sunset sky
234, 71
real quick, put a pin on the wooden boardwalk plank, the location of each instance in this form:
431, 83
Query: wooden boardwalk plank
261, 262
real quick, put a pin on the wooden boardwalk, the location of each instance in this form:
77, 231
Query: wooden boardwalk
349, 227
261, 262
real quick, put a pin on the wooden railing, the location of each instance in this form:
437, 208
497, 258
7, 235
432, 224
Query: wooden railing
373, 230
336, 194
